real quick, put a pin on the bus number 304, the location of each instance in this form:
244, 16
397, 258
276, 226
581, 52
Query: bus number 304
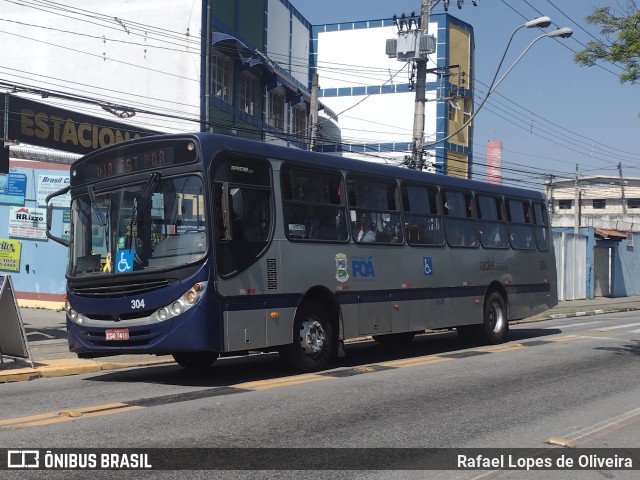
137, 303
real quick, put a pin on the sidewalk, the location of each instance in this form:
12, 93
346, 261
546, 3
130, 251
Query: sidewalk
47, 338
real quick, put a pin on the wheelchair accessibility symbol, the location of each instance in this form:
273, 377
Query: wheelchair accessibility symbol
124, 260
428, 265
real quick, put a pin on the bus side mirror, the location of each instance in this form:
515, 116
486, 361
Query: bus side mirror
61, 241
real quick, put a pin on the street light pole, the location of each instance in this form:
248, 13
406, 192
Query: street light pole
564, 32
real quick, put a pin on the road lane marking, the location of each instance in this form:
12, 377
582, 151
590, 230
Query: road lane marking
500, 348
574, 325
562, 338
280, 382
628, 325
412, 362
606, 426
65, 415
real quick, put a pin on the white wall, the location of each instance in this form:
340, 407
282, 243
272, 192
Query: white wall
355, 58
147, 59
300, 52
288, 41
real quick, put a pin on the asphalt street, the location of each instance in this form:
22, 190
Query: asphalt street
47, 340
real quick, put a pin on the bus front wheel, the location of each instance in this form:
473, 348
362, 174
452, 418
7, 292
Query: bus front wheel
313, 340
195, 360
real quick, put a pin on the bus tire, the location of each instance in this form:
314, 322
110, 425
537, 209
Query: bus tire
495, 324
314, 344
195, 360
394, 338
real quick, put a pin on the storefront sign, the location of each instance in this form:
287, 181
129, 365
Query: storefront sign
48, 184
48, 126
66, 224
26, 222
10, 255
13, 187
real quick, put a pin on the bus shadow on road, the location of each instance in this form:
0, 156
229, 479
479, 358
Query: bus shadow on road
229, 371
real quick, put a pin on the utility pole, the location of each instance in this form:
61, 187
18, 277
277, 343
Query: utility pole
414, 45
576, 217
624, 203
417, 153
549, 184
313, 107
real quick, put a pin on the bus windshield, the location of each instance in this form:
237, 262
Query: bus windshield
156, 224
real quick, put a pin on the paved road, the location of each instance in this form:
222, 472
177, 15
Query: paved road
46, 335
571, 378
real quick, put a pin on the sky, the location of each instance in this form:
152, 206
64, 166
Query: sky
549, 112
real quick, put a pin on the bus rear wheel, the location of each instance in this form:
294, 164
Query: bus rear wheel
314, 344
195, 360
495, 325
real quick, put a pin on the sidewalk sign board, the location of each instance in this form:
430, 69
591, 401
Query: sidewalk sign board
13, 339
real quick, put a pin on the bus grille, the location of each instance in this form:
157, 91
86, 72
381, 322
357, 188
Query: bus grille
272, 274
119, 290
122, 316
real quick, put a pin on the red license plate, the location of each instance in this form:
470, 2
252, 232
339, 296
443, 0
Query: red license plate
116, 334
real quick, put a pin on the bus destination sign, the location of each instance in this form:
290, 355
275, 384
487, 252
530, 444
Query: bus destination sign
131, 159
107, 167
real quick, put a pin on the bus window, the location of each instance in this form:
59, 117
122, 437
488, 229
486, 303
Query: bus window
491, 224
312, 204
374, 212
422, 223
541, 226
459, 221
520, 229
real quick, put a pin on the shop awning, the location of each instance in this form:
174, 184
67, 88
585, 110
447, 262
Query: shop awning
609, 234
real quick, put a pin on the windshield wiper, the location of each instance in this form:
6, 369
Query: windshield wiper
92, 198
146, 193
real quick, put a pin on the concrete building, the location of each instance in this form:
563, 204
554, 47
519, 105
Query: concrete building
603, 202
376, 95
602, 258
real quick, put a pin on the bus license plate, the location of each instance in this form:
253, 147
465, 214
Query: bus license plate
116, 334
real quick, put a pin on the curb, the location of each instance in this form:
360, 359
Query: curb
66, 367
586, 313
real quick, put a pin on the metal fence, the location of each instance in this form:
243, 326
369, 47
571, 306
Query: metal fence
571, 264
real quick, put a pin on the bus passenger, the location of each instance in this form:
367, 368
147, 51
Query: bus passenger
365, 230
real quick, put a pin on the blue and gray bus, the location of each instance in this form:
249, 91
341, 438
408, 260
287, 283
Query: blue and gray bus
200, 245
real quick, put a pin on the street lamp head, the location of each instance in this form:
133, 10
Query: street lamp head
564, 32
541, 22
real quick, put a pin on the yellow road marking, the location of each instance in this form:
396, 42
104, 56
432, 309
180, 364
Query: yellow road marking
500, 348
280, 382
412, 362
65, 415
562, 339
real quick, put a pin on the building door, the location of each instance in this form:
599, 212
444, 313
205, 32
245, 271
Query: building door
601, 271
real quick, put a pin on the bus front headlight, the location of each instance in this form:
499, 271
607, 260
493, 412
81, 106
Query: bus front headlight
177, 308
182, 304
